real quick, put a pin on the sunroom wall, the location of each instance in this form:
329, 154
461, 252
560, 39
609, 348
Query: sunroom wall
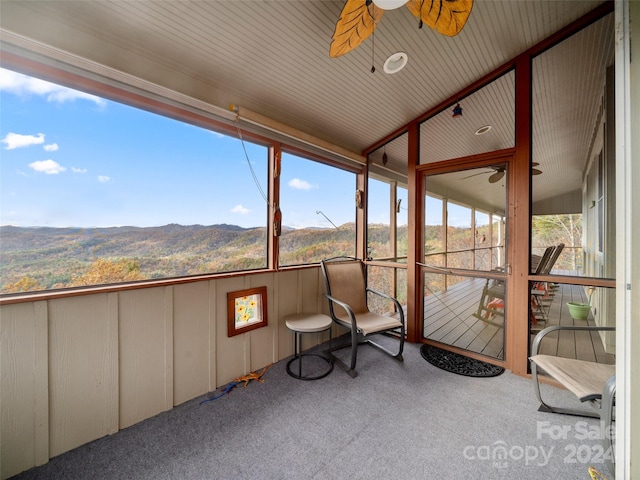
78, 368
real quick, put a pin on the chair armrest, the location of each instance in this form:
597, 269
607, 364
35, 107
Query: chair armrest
393, 299
345, 306
538, 338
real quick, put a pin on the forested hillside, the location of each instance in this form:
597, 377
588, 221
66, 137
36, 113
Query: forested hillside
42, 258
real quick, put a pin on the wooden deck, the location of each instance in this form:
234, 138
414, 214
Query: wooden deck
449, 319
580, 345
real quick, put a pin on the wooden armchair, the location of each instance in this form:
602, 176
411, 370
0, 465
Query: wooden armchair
491, 303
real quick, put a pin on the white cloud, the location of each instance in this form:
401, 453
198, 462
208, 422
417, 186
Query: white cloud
240, 209
52, 147
16, 140
63, 94
49, 167
19, 84
299, 184
103, 178
78, 170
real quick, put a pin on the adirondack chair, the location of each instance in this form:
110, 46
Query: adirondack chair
491, 303
542, 293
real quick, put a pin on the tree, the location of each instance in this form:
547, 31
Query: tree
104, 271
25, 284
555, 229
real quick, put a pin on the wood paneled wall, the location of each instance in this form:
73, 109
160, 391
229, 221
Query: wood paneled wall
78, 368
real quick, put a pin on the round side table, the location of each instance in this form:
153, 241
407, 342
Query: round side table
299, 324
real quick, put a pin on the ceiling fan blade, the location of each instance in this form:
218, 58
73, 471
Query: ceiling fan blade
535, 171
475, 175
446, 17
357, 21
496, 177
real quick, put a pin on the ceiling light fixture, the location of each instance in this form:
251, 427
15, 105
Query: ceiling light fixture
389, 4
483, 130
395, 62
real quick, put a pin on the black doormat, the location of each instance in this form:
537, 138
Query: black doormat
456, 363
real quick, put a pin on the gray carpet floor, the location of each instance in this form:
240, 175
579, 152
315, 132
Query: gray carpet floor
395, 420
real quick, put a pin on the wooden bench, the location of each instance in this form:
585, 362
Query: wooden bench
591, 382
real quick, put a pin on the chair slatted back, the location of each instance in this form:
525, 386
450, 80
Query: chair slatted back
542, 264
552, 259
346, 282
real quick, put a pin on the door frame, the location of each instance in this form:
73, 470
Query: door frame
515, 335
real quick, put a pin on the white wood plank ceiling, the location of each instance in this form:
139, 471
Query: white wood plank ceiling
272, 57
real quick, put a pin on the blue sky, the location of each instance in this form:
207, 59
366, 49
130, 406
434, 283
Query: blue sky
69, 159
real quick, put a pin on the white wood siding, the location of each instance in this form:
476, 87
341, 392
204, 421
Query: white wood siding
76, 369
83, 370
